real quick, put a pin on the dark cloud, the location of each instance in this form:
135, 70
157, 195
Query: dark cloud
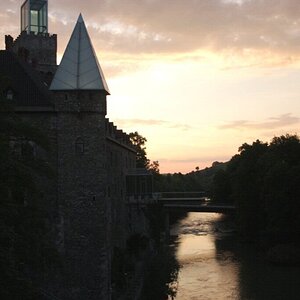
272, 123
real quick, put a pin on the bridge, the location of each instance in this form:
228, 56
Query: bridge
190, 202
181, 202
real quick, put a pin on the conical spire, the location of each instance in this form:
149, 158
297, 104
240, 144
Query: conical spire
79, 68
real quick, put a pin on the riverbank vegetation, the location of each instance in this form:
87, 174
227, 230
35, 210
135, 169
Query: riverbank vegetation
262, 180
161, 267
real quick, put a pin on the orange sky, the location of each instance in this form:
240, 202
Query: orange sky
197, 78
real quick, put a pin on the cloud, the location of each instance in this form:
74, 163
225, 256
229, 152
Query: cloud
247, 27
152, 122
201, 159
272, 123
184, 26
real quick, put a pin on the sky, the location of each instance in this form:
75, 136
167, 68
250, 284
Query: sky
197, 78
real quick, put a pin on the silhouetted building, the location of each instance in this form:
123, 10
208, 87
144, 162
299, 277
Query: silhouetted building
87, 199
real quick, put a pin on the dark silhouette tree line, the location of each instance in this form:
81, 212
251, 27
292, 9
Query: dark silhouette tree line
263, 180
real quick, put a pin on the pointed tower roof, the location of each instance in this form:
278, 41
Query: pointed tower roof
79, 68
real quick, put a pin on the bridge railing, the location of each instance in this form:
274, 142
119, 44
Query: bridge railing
195, 194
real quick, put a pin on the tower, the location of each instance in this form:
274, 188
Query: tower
79, 89
35, 45
34, 16
86, 200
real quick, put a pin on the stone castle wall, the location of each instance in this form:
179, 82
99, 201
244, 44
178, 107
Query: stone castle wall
37, 49
120, 158
86, 200
82, 193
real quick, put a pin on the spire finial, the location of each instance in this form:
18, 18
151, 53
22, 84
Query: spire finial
80, 18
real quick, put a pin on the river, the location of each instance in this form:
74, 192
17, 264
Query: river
216, 265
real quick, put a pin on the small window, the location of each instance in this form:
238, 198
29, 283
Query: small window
111, 158
28, 150
79, 146
9, 94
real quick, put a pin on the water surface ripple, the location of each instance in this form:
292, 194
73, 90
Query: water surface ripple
216, 266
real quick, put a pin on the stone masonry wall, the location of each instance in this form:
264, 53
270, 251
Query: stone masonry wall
41, 50
46, 122
119, 160
86, 200
82, 194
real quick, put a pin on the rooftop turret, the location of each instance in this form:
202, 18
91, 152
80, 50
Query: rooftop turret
79, 68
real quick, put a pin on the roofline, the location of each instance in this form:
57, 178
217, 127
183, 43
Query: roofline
81, 90
120, 144
34, 109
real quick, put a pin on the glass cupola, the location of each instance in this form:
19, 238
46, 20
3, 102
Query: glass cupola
34, 16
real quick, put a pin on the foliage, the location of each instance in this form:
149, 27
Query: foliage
198, 180
221, 189
139, 142
162, 267
263, 181
161, 278
155, 215
154, 167
122, 267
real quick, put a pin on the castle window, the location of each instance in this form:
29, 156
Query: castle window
28, 150
34, 16
111, 158
9, 94
79, 146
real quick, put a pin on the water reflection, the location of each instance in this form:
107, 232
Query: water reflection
215, 265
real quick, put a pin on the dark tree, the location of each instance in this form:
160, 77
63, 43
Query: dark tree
221, 189
139, 142
154, 167
264, 181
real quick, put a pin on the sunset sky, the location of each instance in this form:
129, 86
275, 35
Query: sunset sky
197, 78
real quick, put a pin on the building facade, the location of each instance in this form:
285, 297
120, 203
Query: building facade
91, 157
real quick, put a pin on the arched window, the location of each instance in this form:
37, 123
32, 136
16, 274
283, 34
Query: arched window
28, 149
9, 94
79, 146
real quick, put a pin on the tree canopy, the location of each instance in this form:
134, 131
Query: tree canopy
263, 181
139, 143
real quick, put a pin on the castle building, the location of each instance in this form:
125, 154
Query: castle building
90, 156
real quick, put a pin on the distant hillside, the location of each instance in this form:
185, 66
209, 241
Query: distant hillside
198, 180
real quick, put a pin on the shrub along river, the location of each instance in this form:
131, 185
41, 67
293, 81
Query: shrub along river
216, 265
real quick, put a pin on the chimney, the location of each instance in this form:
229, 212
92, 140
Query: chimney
9, 42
